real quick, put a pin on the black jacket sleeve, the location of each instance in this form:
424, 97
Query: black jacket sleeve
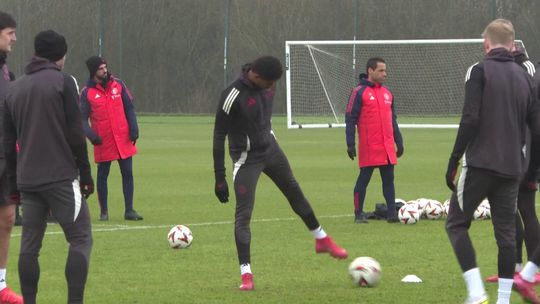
398, 139
10, 149
74, 128
222, 125
354, 108
129, 110
470, 118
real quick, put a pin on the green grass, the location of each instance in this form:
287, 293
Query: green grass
131, 261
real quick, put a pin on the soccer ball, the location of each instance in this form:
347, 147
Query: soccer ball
434, 210
446, 207
180, 237
365, 271
487, 208
480, 213
421, 204
409, 214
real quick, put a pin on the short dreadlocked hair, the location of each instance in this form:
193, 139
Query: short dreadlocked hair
268, 67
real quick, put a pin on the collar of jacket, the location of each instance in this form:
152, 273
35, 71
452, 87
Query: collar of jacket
500, 54
38, 64
366, 82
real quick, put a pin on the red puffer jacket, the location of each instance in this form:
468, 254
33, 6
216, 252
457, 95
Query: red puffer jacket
112, 119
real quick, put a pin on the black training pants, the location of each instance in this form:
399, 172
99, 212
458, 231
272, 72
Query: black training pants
247, 169
473, 186
69, 208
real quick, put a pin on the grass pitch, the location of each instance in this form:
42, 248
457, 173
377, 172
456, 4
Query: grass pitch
132, 263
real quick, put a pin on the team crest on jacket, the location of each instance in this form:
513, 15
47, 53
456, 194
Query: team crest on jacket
115, 91
387, 98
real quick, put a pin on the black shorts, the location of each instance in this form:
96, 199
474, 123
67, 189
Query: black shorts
4, 189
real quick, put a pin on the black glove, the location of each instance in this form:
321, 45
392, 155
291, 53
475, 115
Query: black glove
133, 138
351, 150
400, 150
451, 173
528, 185
86, 183
96, 141
222, 190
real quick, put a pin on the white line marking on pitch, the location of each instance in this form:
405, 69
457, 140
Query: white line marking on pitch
112, 228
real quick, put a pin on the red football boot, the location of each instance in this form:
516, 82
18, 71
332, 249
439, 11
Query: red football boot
327, 245
526, 290
8, 296
247, 282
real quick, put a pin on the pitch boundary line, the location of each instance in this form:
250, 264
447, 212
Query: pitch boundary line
114, 228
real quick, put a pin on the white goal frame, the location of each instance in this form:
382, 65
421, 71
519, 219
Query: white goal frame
356, 43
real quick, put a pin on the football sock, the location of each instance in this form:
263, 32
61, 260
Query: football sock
319, 233
2, 278
505, 290
529, 271
518, 268
245, 268
475, 285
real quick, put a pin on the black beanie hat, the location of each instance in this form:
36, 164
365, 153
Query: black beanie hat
50, 45
93, 64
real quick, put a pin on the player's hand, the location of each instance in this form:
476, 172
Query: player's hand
87, 189
133, 138
451, 173
351, 151
529, 185
400, 150
96, 141
222, 190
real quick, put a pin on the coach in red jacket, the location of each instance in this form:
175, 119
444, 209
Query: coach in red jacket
371, 111
113, 131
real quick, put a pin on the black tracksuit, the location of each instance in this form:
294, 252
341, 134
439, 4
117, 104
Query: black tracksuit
499, 106
42, 115
244, 116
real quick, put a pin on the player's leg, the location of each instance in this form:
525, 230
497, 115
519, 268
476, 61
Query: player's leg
471, 189
126, 169
103, 170
359, 194
531, 228
502, 198
519, 242
245, 176
71, 211
278, 169
33, 230
389, 192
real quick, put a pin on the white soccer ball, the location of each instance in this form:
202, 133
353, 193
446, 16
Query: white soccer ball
480, 213
409, 214
365, 271
434, 210
421, 204
487, 208
180, 237
446, 207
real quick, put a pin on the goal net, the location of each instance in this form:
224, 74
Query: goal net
426, 78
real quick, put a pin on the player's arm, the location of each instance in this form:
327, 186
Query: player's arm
468, 126
129, 110
226, 108
533, 121
398, 139
10, 148
75, 135
85, 110
354, 107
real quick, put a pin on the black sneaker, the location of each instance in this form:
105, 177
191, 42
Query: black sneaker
132, 215
360, 218
104, 216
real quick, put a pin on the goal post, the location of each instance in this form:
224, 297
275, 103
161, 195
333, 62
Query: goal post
425, 76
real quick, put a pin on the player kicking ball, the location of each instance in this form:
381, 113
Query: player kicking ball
244, 116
